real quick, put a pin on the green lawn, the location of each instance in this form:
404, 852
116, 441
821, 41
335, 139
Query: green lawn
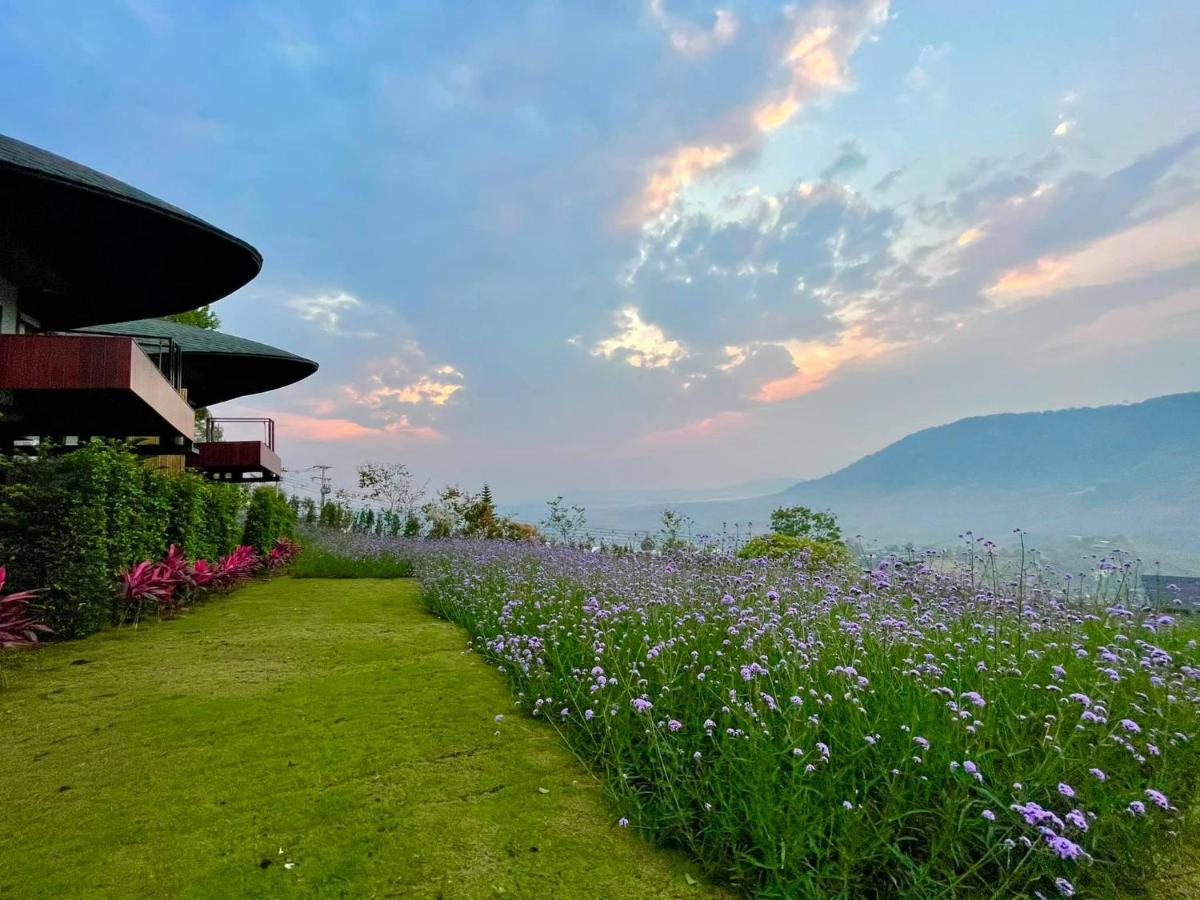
299, 738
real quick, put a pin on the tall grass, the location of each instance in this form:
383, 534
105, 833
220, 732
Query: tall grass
323, 562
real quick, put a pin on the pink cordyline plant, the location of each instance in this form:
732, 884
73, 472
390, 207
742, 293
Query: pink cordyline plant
147, 583
200, 575
19, 624
282, 554
241, 563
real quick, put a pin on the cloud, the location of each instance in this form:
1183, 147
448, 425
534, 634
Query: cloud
405, 379
969, 237
850, 158
818, 56
885, 183
325, 429
814, 61
776, 295
1066, 125
762, 266
326, 310
424, 390
689, 39
1174, 317
640, 344
817, 361
1157, 245
920, 77
720, 424
672, 173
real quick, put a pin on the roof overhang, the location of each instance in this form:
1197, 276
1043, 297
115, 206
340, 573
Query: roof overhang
86, 249
218, 366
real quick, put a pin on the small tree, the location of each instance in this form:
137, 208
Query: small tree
447, 514
412, 525
481, 518
333, 515
389, 485
308, 511
800, 521
268, 518
567, 524
671, 531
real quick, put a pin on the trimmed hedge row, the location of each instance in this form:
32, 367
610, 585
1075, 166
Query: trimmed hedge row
70, 521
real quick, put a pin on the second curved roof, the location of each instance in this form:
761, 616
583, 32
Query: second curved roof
219, 366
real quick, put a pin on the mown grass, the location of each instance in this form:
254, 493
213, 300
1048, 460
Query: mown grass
300, 738
322, 562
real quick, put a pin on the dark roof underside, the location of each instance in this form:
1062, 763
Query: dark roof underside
85, 249
218, 366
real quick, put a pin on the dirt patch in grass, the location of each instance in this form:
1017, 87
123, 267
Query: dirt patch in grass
306, 738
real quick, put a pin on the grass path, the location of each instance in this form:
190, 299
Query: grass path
300, 738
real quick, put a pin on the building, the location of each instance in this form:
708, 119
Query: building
1172, 592
86, 261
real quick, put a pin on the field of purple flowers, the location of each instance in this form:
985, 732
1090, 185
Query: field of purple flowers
911, 729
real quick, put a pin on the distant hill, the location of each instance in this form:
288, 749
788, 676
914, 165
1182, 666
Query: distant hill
1130, 471
1113, 470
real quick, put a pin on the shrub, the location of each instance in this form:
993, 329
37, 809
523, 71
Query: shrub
268, 518
800, 521
70, 521
821, 554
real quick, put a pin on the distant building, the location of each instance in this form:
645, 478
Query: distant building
1165, 590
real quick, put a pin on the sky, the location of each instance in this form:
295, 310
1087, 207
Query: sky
655, 243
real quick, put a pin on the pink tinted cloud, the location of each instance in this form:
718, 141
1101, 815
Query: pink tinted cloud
331, 429
719, 425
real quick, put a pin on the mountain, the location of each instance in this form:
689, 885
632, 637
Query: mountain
1129, 471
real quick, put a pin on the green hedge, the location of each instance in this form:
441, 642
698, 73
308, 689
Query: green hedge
70, 521
268, 518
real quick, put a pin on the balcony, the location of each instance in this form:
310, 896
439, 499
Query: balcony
237, 461
66, 387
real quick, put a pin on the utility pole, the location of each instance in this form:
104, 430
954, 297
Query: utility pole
326, 483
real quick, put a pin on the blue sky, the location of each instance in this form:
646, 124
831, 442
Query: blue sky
562, 246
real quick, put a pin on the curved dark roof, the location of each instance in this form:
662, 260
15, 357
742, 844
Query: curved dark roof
219, 366
84, 248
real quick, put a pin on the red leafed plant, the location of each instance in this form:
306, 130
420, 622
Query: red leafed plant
200, 575
19, 623
147, 583
241, 563
282, 554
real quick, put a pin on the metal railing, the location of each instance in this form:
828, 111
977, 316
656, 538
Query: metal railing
214, 431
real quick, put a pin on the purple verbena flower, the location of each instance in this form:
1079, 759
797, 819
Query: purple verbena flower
1158, 798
